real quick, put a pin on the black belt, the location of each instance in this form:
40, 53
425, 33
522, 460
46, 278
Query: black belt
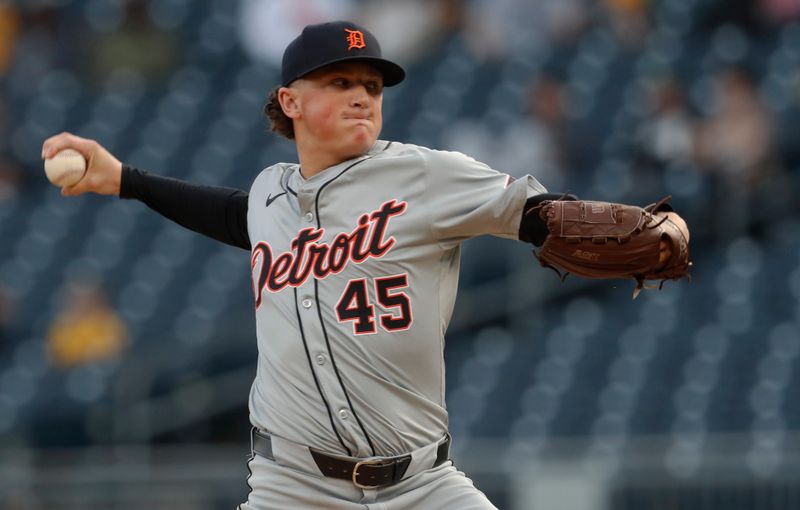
364, 473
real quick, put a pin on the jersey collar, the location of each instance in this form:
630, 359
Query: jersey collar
378, 147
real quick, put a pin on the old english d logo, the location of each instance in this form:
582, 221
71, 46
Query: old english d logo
355, 39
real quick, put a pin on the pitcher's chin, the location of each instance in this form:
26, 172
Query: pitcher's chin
363, 138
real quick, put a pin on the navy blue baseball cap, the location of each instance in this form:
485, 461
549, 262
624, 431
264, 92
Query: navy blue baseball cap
337, 41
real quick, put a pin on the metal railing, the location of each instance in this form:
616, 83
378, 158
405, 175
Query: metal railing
641, 474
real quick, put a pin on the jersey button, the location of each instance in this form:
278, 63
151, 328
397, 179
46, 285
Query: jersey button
309, 217
343, 414
320, 359
307, 303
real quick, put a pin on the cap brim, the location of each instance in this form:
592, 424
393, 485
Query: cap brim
392, 73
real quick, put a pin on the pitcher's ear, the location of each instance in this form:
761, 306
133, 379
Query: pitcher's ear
288, 98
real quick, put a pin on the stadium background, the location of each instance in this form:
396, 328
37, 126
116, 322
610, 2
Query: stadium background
562, 396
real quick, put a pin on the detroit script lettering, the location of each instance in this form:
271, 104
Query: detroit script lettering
307, 256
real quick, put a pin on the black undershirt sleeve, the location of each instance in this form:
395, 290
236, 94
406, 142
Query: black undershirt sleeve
532, 229
217, 212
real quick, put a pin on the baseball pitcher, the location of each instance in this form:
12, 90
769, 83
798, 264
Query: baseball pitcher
354, 253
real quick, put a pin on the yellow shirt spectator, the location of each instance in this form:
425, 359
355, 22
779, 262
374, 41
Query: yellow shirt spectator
88, 330
9, 29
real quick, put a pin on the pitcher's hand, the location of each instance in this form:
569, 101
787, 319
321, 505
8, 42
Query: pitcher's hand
103, 170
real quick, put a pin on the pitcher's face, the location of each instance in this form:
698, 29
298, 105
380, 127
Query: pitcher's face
338, 108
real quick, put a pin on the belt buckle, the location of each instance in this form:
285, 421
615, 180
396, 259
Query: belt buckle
369, 462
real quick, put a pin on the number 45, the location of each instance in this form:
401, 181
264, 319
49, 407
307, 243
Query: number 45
354, 305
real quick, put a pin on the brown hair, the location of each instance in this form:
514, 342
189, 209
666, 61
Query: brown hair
279, 122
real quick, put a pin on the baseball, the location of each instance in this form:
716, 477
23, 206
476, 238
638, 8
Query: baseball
65, 168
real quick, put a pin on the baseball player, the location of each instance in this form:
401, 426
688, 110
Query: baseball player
354, 255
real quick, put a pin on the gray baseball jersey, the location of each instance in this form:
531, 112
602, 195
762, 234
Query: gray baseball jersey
354, 275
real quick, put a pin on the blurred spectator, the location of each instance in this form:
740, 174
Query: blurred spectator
9, 30
667, 133
749, 15
628, 20
87, 330
138, 45
736, 144
11, 177
452, 15
5, 124
38, 49
780, 11
545, 143
474, 138
737, 141
498, 27
8, 307
409, 29
267, 27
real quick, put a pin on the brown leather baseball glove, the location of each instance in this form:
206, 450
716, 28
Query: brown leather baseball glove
606, 240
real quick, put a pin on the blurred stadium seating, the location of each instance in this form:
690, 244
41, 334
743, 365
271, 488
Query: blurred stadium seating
532, 364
